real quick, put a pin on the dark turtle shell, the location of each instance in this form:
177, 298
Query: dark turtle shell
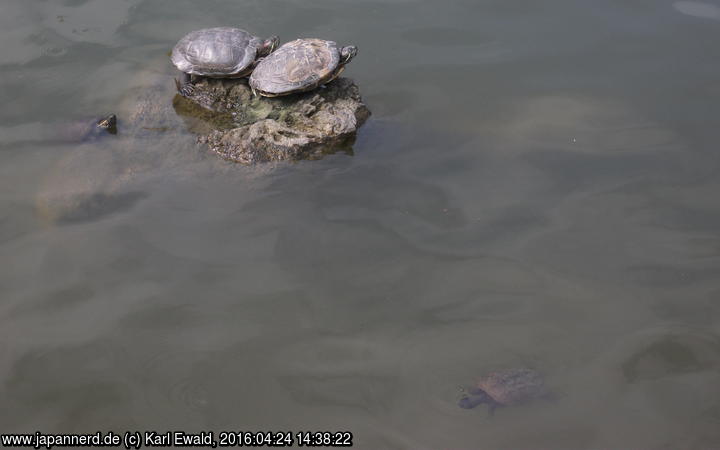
506, 388
222, 52
300, 65
513, 386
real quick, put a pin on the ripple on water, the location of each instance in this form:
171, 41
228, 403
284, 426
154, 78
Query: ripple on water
175, 383
96, 21
54, 52
698, 9
659, 385
445, 36
668, 374
69, 387
669, 353
480, 289
582, 124
664, 354
63, 299
351, 372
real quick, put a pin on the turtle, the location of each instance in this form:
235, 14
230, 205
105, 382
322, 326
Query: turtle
222, 52
505, 388
100, 176
72, 131
95, 128
299, 66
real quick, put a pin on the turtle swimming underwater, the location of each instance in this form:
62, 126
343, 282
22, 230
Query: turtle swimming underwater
104, 125
63, 131
100, 177
299, 66
505, 388
81, 130
222, 52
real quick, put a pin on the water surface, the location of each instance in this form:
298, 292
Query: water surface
537, 187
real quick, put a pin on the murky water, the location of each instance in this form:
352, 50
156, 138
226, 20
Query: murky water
538, 186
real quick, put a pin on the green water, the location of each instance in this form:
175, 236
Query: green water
537, 186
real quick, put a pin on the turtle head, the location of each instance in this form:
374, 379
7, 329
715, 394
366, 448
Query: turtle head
476, 398
347, 54
107, 124
269, 45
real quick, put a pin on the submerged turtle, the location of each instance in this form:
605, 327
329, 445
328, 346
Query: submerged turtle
86, 130
222, 52
101, 177
505, 388
299, 66
61, 131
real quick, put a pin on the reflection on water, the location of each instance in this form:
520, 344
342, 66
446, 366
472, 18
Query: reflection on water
698, 9
537, 188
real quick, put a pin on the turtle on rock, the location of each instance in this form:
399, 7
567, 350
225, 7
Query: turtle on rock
506, 388
222, 52
299, 66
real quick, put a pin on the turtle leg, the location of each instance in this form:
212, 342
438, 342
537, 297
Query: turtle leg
492, 406
184, 85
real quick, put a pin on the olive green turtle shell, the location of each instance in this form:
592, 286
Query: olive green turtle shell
297, 66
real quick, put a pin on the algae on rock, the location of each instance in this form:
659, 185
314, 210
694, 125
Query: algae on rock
245, 128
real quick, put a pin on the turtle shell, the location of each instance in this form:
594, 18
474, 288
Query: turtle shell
297, 66
513, 386
222, 52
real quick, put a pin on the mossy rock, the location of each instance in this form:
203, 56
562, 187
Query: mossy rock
245, 128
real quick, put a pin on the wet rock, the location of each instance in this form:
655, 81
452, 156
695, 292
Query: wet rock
99, 178
247, 129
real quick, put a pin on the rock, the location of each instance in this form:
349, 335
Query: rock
247, 129
156, 133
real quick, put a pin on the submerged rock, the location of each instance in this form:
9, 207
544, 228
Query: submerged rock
95, 178
156, 131
247, 129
